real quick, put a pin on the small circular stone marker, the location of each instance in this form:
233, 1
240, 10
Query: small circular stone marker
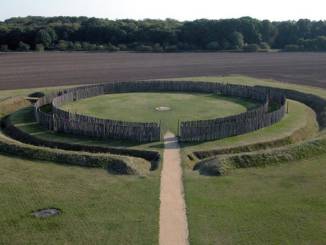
163, 108
46, 213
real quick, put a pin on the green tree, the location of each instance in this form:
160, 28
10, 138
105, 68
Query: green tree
321, 43
70, 45
39, 47
77, 46
23, 46
265, 46
236, 40
144, 48
172, 34
268, 31
251, 48
250, 29
157, 47
292, 48
62, 45
43, 37
213, 46
225, 44
52, 34
112, 48
4, 48
122, 47
171, 48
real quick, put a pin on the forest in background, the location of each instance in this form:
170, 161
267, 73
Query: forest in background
149, 35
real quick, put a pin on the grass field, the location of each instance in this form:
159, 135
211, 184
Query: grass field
140, 107
98, 208
282, 204
274, 205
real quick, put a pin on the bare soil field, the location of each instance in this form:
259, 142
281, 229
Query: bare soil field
26, 70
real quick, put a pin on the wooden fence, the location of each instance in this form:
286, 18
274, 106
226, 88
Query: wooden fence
204, 130
73, 123
194, 131
317, 103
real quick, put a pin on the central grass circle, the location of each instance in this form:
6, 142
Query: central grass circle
141, 107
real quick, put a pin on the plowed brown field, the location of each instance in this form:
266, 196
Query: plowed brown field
25, 70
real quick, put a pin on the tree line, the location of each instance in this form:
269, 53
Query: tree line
82, 33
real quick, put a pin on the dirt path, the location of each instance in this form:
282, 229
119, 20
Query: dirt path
173, 219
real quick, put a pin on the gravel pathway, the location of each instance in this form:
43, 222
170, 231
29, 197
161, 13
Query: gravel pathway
173, 219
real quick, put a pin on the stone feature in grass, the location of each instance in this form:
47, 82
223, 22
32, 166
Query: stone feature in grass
163, 108
46, 213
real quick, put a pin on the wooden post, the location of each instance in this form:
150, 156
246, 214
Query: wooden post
178, 129
287, 107
160, 130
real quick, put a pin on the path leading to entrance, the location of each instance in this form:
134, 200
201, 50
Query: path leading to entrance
173, 219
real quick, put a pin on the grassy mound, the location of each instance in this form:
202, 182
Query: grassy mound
113, 163
222, 165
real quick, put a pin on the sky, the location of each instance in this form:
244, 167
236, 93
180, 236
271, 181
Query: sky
176, 9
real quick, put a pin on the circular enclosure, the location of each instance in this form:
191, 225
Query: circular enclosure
139, 107
271, 109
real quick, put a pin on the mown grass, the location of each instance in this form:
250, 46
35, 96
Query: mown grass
140, 107
98, 208
274, 205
